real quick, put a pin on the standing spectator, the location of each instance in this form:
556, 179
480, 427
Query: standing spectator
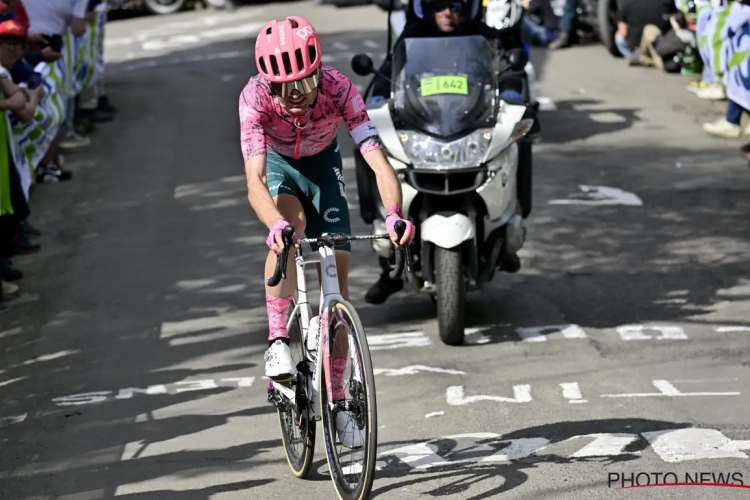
49, 20
541, 24
567, 25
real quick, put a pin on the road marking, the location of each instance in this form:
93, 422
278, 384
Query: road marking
601, 195
546, 104
13, 419
474, 336
340, 46
371, 44
454, 396
153, 390
536, 333
435, 414
692, 444
414, 370
666, 388
675, 445
637, 332
728, 329
572, 393
397, 340
605, 445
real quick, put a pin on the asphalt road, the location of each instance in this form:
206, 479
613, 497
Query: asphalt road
620, 348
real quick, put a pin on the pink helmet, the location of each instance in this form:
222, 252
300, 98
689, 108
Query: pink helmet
287, 50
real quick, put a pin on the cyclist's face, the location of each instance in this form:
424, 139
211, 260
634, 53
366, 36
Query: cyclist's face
298, 103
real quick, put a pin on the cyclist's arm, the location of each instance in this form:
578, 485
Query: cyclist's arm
253, 142
365, 136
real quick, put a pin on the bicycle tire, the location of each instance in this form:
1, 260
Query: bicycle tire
363, 488
299, 463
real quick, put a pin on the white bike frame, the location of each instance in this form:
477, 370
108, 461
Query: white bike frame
330, 293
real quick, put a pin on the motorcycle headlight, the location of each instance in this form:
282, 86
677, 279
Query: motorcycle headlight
425, 152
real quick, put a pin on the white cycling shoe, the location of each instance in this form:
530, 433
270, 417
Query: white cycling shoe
279, 362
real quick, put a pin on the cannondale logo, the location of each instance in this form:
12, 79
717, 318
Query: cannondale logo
329, 219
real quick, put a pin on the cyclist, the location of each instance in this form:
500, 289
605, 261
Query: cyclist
289, 115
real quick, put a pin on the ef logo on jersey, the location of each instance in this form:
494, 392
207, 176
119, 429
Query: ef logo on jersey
358, 104
328, 218
303, 33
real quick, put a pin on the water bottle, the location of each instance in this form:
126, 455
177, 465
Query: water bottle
313, 334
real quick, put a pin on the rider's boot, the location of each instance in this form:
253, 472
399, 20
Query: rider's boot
279, 362
385, 286
349, 433
511, 264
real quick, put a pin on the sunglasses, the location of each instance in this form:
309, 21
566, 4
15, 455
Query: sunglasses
304, 86
455, 7
13, 43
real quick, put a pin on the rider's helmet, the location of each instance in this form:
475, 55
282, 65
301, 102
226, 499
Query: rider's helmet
504, 14
288, 55
469, 8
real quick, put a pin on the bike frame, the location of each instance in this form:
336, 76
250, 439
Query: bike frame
325, 260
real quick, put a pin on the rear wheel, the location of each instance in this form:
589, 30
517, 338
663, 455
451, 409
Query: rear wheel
350, 427
165, 6
607, 17
297, 431
451, 294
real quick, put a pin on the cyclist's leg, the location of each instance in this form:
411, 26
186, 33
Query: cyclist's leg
286, 196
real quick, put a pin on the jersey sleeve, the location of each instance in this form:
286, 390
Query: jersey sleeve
354, 113
252, 133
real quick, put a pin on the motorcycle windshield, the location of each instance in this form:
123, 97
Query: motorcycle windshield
444, 86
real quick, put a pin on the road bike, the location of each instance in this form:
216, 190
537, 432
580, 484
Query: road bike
301, 399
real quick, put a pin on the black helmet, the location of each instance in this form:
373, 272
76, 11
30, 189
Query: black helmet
469, 11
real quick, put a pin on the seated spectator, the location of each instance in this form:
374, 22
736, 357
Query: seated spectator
632, 38
541, 24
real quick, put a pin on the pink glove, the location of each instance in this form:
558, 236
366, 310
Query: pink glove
390, 224
276, 229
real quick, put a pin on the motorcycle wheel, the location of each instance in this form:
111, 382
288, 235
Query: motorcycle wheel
607, 17
164, 6
451, 294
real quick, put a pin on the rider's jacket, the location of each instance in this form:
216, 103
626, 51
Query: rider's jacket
265, 123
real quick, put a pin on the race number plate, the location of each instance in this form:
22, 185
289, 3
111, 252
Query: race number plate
435, 85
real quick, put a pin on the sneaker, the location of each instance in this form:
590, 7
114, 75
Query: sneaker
10, 290
105, 105
279, 362
694, 87
51, 173
382, 289
73, 140
714, 92
722, 128
28, 228
24, 246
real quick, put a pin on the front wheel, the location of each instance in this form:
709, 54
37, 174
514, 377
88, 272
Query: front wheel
350, 424
165, 6
451, 294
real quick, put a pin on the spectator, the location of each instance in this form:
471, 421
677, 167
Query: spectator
567, 26
639, 23
14, 207
49, 20
541, 24
12, 45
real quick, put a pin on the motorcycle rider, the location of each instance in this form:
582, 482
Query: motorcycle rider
438, 18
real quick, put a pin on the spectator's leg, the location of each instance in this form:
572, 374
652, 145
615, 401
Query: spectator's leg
648, 55
70, 139
537, 34
729, 126
567, 22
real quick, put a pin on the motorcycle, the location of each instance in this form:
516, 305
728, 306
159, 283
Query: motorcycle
454, 144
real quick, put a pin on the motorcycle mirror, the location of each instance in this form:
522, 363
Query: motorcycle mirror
362, 65
518, 59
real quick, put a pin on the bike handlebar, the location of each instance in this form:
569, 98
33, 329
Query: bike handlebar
403, 255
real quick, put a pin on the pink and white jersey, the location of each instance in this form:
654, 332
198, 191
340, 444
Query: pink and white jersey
265, 123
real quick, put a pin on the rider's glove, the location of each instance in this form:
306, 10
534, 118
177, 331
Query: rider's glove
394, 215
276, 229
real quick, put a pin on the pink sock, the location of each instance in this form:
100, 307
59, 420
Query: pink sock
278, 314
338, 370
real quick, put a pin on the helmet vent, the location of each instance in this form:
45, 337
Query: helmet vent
287, 63
275, 66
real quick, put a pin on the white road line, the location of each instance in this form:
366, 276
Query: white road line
572, 393
454, 396
667, 389
638, 332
